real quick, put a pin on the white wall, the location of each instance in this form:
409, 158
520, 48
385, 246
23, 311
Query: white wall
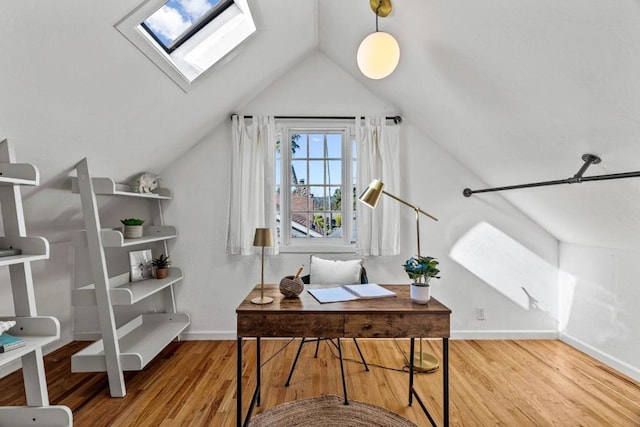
600, 307
215, 282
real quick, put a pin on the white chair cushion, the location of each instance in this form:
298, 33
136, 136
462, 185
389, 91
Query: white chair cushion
334, 272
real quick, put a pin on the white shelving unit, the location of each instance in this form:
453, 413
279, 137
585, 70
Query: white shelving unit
37, 331
132, 346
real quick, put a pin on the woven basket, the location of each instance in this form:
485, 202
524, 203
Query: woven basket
290, 287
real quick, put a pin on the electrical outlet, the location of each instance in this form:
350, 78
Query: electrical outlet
480, 313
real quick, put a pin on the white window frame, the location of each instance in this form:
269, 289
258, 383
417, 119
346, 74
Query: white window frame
198, 54
320, 245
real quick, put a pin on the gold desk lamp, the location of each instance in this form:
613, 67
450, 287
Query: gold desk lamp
370, 197
262, 238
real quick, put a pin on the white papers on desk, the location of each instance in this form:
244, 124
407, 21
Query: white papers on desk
350, 293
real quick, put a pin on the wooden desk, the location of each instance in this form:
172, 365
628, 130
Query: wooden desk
395, 317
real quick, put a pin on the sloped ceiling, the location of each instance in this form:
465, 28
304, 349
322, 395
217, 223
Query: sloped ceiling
516, 91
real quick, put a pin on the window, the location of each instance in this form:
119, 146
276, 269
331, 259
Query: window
177, 20
184, 38
315, 188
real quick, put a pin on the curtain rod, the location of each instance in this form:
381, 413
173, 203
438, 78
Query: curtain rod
396, 119
589, 159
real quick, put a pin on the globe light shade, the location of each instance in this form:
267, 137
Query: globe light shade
378, 55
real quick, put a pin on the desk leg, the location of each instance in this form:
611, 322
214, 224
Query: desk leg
445, 380
258, 368
413, 343
239, 385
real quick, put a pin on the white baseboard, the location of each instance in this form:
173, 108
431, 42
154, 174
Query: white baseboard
186, 336
603, 357
209, 336
505, 335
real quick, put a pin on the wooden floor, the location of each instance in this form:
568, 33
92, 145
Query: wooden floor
507, 383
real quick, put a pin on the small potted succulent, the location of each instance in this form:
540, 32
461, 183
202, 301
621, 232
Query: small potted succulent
132, 228
162, 264
421, 269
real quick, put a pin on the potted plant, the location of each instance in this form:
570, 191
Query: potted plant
162, 264
132, 228
421, 269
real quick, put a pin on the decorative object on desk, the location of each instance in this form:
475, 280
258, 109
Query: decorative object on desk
141, 265
263, 238
132, 228
146, 183
10, 251
421, 269
9, 342
328, 410
370, 197
292, 286
161, 264
6, 325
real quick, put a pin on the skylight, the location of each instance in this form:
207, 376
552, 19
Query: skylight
177, 20
184, 38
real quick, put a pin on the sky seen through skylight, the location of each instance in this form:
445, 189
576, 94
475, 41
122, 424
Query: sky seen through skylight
177, 16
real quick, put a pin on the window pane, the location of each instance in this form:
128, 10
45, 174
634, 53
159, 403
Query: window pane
334, 145
298, 172
298, 145
336, 198
278, 173
316, 146
299, 198
316, 172
334, 172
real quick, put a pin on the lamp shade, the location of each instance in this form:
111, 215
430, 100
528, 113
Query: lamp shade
263, 237
372, 193
378, 55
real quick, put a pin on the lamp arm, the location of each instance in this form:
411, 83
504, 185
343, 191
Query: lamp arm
414, 207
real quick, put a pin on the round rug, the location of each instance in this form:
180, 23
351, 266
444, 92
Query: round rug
330, 411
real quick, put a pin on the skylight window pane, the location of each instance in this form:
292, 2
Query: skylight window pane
177, 20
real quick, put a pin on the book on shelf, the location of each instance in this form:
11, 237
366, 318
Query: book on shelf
350, 293
9, 342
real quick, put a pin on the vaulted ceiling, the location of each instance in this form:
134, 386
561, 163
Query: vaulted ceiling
516, 91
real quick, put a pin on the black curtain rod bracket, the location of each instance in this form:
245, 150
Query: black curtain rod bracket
396, 119
589, 159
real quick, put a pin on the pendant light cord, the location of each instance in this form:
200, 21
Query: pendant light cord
377, 10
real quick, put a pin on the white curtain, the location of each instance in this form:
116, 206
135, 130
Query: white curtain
252, 197
378, 145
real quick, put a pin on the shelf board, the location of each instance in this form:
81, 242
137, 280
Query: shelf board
19, 173
108, 187
33, 249
36, 416
36, 331
113, 238
124, 292
140, 341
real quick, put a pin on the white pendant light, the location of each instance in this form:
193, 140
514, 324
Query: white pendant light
379, 53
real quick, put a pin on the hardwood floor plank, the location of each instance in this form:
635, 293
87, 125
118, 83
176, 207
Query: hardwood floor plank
492, 383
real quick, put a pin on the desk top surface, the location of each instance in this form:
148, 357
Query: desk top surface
307, 303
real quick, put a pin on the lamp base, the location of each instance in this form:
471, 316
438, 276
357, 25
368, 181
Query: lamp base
264, 300
425, 362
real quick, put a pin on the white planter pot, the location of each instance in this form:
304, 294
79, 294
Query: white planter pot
420, 294
132, 231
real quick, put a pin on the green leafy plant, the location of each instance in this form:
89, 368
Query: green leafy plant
421, 268
132, 221
161, 262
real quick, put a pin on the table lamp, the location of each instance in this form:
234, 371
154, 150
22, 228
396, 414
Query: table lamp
262, 238
370, 197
